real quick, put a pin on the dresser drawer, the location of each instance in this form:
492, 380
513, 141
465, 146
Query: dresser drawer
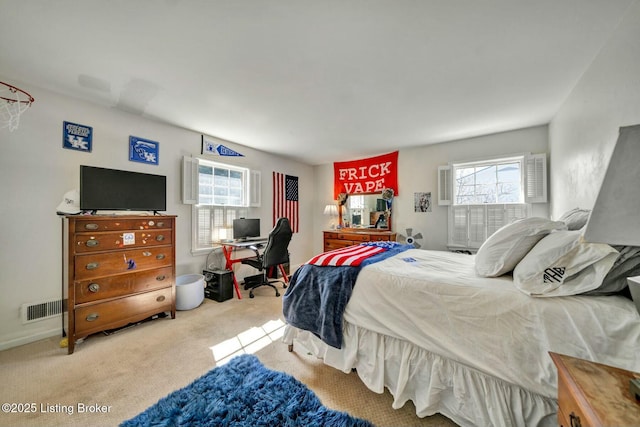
90, 318
114, 224
354, 237
332, 244
103, 264
104, 241
382, 237
123, 284
567, 406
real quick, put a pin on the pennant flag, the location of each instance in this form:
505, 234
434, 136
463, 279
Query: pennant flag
285, 199
215, 149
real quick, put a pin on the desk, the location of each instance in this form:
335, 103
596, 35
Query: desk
227, 250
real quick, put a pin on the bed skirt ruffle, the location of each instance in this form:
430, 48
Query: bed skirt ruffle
433, 383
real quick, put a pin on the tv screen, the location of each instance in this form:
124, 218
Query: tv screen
112, 189
244, 228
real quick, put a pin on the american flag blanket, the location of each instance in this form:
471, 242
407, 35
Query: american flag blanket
319, 290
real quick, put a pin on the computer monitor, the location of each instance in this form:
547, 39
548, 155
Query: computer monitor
244, 228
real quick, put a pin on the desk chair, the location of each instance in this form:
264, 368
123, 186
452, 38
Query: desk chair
274, 255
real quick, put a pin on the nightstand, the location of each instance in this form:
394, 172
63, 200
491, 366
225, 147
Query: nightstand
592, 394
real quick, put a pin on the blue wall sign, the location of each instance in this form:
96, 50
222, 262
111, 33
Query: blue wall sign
143, 150
77, 137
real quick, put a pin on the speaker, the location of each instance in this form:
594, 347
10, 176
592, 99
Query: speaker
219, 284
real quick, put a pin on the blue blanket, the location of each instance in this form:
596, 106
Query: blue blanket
317, 295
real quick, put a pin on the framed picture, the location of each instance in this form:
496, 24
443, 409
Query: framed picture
77, 137
143, 150
422, 202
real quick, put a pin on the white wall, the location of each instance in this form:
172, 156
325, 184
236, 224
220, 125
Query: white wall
35, 172
418, 172
584, 132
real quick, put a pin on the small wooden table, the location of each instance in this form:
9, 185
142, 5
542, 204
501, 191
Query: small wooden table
592, 394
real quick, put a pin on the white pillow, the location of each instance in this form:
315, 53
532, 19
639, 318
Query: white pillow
500, 253
575, 218
563, 264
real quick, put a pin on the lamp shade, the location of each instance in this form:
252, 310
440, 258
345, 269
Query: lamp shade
615, 218
331, 210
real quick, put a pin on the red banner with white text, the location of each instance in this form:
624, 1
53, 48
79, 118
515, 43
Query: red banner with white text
366, 176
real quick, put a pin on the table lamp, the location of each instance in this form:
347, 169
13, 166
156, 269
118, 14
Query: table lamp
332, 211
615, 218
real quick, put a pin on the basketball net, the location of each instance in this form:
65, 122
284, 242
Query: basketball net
13, 102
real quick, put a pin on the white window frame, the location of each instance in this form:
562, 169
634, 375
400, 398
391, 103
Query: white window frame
214, 222
471, 224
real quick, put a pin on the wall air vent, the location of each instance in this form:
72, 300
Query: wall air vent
41, 310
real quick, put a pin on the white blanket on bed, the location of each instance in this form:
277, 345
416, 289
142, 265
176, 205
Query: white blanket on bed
434, 300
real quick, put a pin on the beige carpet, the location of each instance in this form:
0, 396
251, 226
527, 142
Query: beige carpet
112, 378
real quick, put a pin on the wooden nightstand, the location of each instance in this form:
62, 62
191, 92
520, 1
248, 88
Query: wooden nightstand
591, 394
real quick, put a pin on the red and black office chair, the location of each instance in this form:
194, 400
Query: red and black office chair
275, 254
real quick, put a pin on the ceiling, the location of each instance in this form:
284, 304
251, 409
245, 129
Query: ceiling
319, 81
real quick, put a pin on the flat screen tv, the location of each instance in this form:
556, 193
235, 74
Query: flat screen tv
246, 228
112, 189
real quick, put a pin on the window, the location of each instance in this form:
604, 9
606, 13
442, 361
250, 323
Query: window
221, 184
485, 195
219, 194
489, 182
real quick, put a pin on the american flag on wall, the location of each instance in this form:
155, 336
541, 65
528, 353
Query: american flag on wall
285, 199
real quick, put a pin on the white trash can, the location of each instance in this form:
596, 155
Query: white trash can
189, 291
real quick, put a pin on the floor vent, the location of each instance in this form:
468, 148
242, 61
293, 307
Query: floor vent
33, 312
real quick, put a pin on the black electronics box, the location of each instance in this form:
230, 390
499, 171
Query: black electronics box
219, 284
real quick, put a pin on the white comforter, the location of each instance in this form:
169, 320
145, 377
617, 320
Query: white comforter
434, 300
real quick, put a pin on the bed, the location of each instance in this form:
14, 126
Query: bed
474, 347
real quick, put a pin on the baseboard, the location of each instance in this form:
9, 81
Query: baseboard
5, 345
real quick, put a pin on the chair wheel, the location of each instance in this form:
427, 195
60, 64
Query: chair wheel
284, 285
250, 294
277, 293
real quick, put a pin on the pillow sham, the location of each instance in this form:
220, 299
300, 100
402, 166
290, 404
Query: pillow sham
500, 253
575, 218
561, 264
626, 265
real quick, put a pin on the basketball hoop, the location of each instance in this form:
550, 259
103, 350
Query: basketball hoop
13, 102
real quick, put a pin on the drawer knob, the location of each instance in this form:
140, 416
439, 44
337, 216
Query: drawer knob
160, 298
91, 226
160, 237
160, 224
92, 317
92, 243
94, 287
93, 265
574, 420
161, 277
160, 256
146, 253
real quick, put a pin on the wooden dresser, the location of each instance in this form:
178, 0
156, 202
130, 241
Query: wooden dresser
117, 270
591, 394
352, 236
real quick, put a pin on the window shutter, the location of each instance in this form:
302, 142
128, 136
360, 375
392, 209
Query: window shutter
496, 218
190, 190
445, 186
458, 226
477, 226
535, 178
254, 188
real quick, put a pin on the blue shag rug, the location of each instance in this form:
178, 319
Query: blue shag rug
243, 393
